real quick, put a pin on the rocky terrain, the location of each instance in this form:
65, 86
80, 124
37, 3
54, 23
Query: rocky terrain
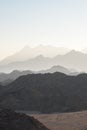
46, 93
10, 120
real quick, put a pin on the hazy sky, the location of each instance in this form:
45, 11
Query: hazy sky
55, 22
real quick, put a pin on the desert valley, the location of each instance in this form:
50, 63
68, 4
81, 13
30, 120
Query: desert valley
43, 64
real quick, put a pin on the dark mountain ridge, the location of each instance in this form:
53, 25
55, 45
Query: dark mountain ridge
10, 120
46, 93
6, 78
9, 77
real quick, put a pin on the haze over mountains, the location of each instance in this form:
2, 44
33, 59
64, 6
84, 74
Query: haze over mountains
6, 78
59, 68
28, 52
44, 57
43, 80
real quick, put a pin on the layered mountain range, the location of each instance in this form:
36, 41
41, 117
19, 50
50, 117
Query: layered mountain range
46, 93
28, 53
44, 81
6, 78
32, 59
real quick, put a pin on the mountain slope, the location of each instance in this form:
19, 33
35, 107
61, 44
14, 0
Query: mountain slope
64, 121
10, 120
46, 93
34, 64
57, 69
6, 78
29, 53
13, 75
73, 59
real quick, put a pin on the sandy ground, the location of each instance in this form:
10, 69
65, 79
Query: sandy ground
67, 121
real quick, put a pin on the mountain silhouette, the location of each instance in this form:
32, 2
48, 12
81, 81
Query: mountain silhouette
10, 120
46, 93
59, 68
71, 60
29, 53
6, 78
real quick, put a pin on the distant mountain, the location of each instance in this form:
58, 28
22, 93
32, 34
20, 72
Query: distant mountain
6, 78
72, 59
6, 82
58, 68
10, 120
27, 53
46, 93
84, 50
38, 63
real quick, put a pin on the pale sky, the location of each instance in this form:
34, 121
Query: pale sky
32, 22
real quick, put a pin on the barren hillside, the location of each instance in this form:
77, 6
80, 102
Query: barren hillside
67, 121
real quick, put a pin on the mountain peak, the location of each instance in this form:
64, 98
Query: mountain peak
57, 66
40, 56
74, 52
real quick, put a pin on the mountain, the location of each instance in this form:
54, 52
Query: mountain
46, 93
57, 68
29, 53
10, 120
84, 50
22, 55
6, 78
72, 60
1, 88
44, 57
9, 77
38, 63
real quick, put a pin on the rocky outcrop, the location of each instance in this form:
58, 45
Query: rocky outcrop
10, 120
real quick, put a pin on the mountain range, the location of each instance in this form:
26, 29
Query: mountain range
46, 93
71, 60
28, 53
6, 78
44, 57
58, 68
